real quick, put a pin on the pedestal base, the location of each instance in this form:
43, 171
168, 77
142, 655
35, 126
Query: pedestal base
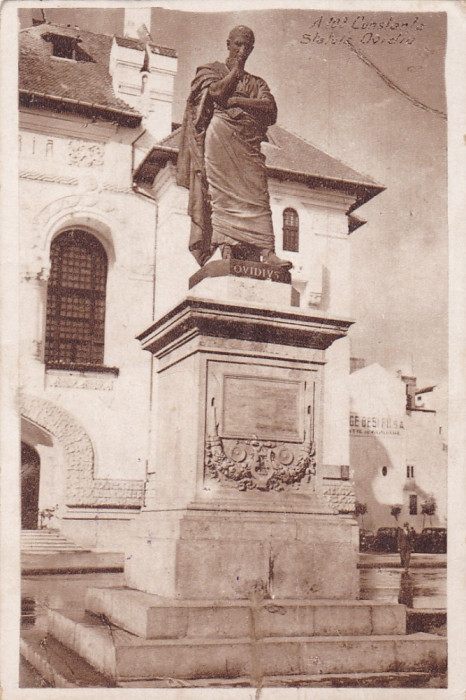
202, 554
279, 641
244, 281
154, 617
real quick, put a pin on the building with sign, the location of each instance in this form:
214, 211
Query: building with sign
398, 453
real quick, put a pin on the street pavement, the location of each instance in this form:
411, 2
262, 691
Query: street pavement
372, 560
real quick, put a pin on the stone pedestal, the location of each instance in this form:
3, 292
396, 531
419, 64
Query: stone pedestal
236, 503
227, 280
238, 569
226, 555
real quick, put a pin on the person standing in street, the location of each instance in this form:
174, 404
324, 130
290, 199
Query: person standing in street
404, 545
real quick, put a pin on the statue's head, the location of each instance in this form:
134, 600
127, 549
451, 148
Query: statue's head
240, 42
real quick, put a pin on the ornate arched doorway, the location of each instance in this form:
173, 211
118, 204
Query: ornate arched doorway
30, 479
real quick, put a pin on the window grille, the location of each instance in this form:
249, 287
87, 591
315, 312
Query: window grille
291, 230
75, 323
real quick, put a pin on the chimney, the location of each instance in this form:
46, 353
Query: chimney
144, 74
410, 391
159, 86
137, 22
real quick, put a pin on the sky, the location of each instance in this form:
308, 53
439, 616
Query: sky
379, 109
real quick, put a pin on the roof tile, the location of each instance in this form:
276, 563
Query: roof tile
288, 152
85, 80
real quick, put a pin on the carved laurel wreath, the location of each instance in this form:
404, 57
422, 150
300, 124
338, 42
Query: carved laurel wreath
260, 464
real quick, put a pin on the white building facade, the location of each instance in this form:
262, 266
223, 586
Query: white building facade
398, 453
104, 251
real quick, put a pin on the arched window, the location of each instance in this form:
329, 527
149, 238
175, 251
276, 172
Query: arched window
75, 322
290, 230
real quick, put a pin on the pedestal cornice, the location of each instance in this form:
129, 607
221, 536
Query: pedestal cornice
194, 316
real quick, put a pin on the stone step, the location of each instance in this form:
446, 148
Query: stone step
397, 679
58, 665
155, 617
42, 541
47, 541
44, 532
67, 561
54, 547
125, 657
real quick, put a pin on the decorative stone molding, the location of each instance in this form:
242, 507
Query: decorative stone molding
259, 464
41, 275
75, 380
118, 189
43, 177
79, 203
314, 298
85, 154
64, 180
82, 489
100, 212
242, 346
341, 496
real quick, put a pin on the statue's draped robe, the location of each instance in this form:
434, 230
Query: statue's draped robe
221, 163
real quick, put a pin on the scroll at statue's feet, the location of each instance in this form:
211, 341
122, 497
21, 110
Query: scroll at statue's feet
271, 258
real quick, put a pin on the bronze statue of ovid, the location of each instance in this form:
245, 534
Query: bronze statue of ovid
220, 161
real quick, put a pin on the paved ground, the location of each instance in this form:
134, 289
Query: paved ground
90, 562
422, 589
418, 561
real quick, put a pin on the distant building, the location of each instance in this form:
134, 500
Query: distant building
398, 453
104, 250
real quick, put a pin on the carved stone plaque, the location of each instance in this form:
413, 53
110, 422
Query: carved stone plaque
267, 409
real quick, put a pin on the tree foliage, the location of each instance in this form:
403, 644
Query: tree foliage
395, 511
429, 508
360, 508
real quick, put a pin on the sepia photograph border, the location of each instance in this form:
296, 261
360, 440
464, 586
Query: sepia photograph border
10, 571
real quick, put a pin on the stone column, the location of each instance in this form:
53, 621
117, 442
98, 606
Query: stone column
33, 304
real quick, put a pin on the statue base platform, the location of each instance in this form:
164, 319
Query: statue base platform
242, 268
244, 281
144, 641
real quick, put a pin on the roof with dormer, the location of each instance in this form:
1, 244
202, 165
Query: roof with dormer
84, 84
81, 84
288, 157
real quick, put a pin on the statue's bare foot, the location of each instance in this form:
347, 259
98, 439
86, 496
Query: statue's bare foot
226, 251
239, 252
243, 251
